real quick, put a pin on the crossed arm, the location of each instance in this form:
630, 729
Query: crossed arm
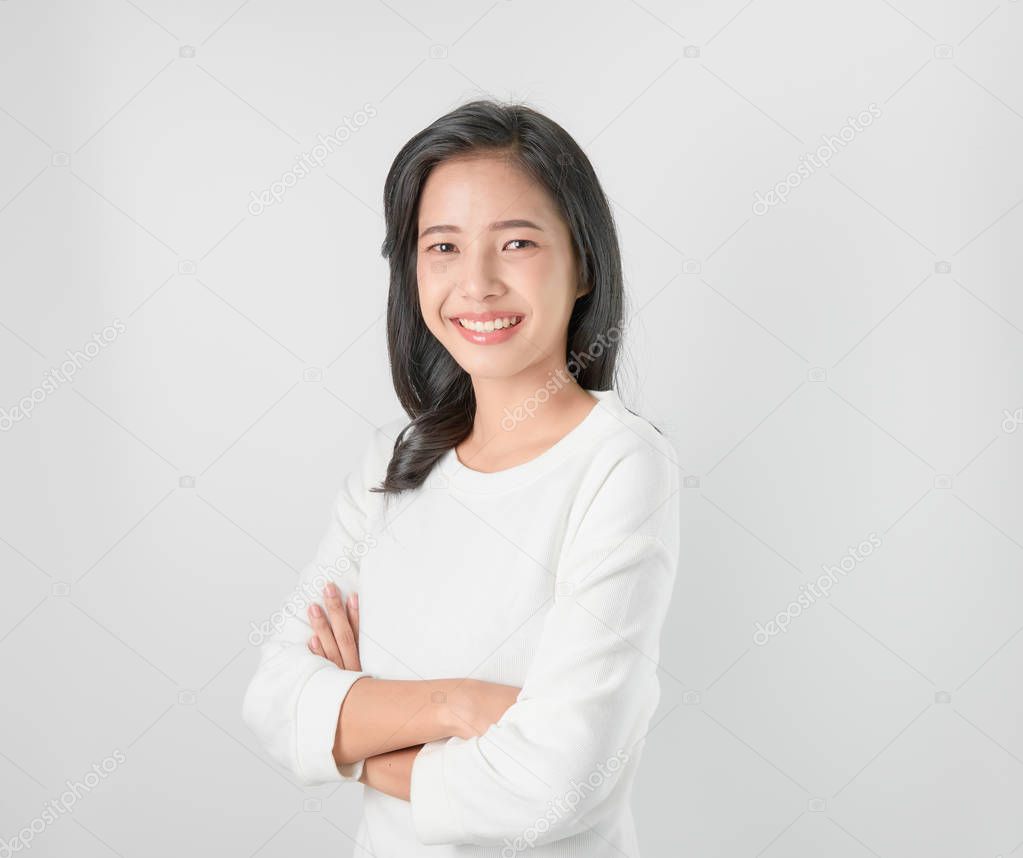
387, 721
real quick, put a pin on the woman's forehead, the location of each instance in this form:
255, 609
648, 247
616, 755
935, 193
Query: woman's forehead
482, 190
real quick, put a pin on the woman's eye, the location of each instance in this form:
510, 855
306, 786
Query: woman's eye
441, 244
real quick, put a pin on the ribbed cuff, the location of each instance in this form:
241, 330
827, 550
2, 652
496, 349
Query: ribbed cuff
317, 714
433, 817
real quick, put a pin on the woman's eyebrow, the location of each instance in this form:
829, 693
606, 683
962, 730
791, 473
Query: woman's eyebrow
517, 223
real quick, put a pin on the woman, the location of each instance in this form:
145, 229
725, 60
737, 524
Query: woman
484, 655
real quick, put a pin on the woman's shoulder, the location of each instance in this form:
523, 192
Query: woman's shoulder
630, 484
633, 441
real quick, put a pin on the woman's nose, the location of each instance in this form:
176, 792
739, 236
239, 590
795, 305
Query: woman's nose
479, 275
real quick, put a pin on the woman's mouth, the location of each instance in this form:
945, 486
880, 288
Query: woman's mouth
490, 331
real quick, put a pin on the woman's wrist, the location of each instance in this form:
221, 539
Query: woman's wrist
456, 712
391, 773
473, 705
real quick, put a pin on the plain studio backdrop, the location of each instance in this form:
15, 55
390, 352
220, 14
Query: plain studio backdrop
820, 213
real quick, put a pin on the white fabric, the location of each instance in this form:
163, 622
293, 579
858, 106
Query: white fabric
554, 576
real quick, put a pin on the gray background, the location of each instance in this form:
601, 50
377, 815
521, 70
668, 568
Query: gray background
848, 363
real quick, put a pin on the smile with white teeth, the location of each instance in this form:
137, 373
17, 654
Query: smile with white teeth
495, 325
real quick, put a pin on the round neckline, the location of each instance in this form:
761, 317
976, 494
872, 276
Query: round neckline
461, 477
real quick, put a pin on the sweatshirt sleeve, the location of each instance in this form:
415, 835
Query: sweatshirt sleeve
293, 701
548, 768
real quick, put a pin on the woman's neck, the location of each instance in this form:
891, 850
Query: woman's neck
518, 419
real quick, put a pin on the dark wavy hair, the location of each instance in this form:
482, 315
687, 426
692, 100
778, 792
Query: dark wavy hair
436, 393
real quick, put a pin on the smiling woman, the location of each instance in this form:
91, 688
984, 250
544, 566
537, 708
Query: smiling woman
493, 682
521, 265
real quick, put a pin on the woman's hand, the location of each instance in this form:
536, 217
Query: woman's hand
476, 704
336, 630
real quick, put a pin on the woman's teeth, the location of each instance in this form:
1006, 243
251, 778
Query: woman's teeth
495, 325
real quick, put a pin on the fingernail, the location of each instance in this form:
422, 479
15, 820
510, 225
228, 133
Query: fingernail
314, 610
355, 601
330, 589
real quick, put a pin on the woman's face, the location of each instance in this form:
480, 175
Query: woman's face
492, 244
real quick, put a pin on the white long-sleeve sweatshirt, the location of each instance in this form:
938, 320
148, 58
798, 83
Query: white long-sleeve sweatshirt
555, 576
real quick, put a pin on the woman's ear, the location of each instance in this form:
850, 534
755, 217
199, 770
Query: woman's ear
582, 287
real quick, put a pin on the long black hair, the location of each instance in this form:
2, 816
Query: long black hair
434, 390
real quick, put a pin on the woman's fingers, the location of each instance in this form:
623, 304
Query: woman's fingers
322, 629
353, 614
342, 628
336, 629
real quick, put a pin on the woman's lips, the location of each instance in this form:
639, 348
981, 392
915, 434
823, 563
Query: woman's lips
488, 338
